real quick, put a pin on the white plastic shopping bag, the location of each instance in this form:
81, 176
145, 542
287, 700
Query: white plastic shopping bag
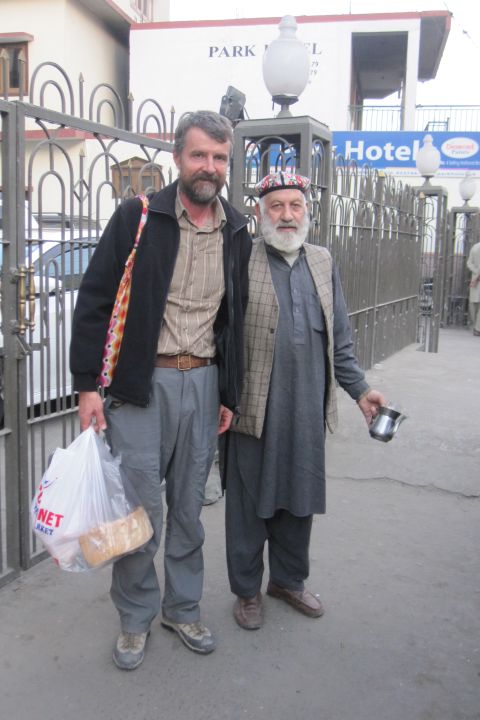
83, 512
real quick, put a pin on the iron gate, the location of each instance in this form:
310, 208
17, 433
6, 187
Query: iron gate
463, 233
62, 177
370, 223
375, 240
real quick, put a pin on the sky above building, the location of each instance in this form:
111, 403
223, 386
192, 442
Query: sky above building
457, 80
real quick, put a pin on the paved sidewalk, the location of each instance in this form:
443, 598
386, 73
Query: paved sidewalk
395, 560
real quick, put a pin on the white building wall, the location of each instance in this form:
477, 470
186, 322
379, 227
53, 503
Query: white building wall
161, 9
410, 99
191, 67
128, 8
65, 32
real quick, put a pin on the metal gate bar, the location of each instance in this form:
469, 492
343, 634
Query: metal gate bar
39, 400
9, 470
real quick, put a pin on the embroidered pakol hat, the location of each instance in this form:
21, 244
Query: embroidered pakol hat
282, 181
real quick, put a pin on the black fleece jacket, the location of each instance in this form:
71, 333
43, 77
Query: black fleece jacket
151, 278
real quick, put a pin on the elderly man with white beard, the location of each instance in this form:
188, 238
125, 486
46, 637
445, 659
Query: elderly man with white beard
297, 347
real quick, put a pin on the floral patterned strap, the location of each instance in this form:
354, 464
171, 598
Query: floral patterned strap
118, 318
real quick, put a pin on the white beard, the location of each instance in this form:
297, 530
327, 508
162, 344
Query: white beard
286, 242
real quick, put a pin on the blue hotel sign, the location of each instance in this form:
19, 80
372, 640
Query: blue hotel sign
395, 150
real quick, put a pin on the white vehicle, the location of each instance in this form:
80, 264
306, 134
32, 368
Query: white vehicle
58, 265
57, 275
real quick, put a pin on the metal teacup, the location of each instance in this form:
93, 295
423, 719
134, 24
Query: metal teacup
386, 424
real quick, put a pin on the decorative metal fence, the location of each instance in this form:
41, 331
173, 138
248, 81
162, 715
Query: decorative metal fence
63, 171
463, 232
448, 118
65, 168
369, 222
300, 145
375, 240
376, 117
440, 118
433, 229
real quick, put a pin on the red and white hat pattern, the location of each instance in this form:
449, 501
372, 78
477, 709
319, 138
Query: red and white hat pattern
282, 181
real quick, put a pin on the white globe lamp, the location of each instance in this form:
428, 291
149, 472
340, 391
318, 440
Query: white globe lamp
286, 66
467, 187
428, 159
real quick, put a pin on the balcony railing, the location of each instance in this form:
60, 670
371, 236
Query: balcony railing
439, 118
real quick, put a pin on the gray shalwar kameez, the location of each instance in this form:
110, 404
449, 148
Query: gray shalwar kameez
284, 469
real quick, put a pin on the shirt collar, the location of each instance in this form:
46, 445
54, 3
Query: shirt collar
273, 251
219, 218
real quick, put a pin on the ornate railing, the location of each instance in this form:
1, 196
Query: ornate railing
51, 88
375, 240
69, 154
448, 118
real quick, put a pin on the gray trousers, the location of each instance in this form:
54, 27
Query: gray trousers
288, 540
174, 438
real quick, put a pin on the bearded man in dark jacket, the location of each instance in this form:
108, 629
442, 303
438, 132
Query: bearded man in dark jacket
179, 372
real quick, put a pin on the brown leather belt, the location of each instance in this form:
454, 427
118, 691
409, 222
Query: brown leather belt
182, 362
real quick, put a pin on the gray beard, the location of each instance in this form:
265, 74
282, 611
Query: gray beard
284, 242
200, 191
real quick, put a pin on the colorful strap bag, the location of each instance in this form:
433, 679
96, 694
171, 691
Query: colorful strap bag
118, 318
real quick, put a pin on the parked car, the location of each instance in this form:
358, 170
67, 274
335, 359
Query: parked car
58, 273
58, 265
57, 221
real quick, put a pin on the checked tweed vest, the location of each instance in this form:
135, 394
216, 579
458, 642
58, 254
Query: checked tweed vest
260, 328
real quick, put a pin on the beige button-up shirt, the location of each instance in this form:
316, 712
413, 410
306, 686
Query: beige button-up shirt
197, 287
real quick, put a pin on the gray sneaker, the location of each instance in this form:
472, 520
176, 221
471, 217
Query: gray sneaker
195, 635
129, 651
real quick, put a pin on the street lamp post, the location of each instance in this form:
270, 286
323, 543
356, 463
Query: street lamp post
434, 235
286, 66
463, 230
467, 187
427, 160
296, 144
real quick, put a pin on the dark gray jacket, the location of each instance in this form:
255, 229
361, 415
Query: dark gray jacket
152, 274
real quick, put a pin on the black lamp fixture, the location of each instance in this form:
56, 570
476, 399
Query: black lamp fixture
233, 104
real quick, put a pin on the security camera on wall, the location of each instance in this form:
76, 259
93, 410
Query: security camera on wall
232, 105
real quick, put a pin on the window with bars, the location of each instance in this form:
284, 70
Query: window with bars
135, 176
11, 56
144, 8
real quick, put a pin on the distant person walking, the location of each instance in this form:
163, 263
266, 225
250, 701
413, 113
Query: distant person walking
473, 264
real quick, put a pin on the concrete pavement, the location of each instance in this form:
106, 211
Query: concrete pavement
395, 560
